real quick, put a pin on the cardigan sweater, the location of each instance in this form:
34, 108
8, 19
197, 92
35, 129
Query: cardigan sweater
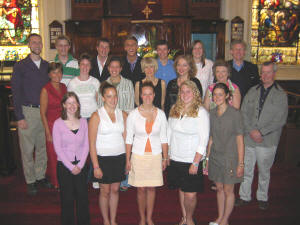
68, 145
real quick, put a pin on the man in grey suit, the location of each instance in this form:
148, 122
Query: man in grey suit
265, 110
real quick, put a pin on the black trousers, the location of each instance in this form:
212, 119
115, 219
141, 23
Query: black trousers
73, 189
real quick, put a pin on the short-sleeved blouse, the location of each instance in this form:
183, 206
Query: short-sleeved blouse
223, 158
232, 87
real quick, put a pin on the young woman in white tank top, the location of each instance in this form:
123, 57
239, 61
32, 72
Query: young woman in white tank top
107, 151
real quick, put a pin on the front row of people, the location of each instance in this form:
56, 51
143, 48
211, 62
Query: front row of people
138, 145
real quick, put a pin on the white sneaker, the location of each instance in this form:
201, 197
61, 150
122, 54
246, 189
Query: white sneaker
96, 185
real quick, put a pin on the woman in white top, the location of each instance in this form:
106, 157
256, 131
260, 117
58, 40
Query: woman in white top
188, 134
204, 66
86, 87
146, 151
107, 150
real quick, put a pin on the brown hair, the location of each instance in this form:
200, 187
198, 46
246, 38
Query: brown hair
33, 35
62, 37
190, 61
85, 56
105, 40
104, 86
146, 84
203, 49
221, 62
54, 66
132, 38
68, 95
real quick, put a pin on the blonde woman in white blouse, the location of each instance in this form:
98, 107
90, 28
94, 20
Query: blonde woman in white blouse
188, 134
146, 151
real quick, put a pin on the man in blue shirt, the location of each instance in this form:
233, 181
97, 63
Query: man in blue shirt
28, 78
165, 70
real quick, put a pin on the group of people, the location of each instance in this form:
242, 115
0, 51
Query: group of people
136, 118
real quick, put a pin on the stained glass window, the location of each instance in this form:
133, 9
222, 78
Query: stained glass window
18, 19
275, 31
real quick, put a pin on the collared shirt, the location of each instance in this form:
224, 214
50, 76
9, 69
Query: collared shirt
132, 65
125, 95
100, 65
236, 67
263, 96
166, 72
185, 138
27, 82
70, 69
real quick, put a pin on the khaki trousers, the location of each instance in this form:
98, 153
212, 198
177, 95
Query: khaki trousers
33, 146
264, 157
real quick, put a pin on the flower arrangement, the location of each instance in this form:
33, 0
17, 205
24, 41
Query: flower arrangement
276, 57
148, 49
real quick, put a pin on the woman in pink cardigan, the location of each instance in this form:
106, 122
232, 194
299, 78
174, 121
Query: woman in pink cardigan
70, 139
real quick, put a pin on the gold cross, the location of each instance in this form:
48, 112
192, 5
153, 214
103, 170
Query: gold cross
147, 11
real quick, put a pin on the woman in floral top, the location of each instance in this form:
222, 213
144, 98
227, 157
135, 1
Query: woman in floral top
221, 70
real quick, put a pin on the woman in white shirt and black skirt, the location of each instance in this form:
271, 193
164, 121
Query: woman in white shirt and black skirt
188, 134
107, 150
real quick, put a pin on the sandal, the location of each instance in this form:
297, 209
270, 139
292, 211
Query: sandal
123, 188
183, 221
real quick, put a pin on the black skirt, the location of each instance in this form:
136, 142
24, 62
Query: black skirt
178, 177
113, 169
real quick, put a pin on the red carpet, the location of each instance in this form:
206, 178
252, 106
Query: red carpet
16, 208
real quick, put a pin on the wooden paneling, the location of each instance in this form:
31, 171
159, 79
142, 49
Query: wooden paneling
204, 10
174, 7
113, 19
83, 35
87, 11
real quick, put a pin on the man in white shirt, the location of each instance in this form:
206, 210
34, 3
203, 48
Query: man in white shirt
99, 68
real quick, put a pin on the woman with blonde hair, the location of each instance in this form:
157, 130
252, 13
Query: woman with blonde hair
149, 67
186, 70
188, 134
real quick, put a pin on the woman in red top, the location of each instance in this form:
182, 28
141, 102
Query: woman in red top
50, 108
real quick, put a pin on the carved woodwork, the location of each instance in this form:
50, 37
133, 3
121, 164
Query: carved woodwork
174, 20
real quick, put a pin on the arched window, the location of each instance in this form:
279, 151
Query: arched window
18, 19
275, 31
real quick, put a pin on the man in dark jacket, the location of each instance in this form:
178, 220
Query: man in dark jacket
99, 67
243, 73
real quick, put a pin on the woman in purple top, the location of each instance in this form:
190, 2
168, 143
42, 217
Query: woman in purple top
70, 139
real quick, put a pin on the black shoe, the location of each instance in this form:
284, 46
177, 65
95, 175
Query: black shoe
241, 202
44, 183
263, 205
31, 189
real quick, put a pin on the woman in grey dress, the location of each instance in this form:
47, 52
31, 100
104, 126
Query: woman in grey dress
225, 151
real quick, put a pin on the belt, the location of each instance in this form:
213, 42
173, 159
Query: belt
32, 105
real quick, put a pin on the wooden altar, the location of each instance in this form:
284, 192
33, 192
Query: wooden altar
173, 20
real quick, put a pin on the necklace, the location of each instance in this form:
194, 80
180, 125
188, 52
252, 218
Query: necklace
147, 110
